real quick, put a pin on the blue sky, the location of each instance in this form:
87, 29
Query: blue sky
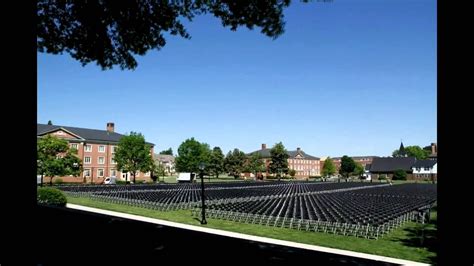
347, 77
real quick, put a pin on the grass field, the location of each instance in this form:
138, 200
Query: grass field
404, 242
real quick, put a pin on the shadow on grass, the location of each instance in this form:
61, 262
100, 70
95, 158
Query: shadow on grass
424, 236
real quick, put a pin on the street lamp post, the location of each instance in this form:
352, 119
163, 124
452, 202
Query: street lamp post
203, 204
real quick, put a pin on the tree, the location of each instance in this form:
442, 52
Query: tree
190, 154
55, 158
216, 162
414, 151
399, 174
111, 32
279, 157
255, 164
235, 162
292, 172
50, 123
347, 166
133, 154
158, 169
167, 152
359, 170
329, 168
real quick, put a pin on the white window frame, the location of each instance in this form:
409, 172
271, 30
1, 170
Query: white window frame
113, 148
113, 170
90, 159
103, 160
86, 170
112, 161
103, 172
86, 148
147, 174
75, 144
98, 148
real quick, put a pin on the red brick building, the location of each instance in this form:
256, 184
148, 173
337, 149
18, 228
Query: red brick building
96, 149
304, 164
364, 160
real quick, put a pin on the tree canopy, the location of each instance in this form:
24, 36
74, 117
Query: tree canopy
347, 166
329, 168
190, 154
112, 32
167, 152
133, 154
279, 163
235, 162
359, 169
414, 151
55, 158
216, 162
255, 164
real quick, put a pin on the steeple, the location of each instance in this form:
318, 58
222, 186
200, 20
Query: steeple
401, 151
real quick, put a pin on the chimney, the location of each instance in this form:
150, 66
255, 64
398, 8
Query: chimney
298, 149
110, 127
264, 146
434, 149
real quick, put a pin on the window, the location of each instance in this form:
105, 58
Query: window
101, 148
113, 172
100, 172
147, 174
114, 148
75, 146
101, 160
112, 161
427, 168
87, 160
418, 169
88, 148
87, 172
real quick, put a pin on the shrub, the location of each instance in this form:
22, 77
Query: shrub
382, 177
292, 172
51, 196
58, 181
399, 174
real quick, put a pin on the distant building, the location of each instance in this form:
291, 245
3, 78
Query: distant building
425, 169
363, 160
304, 164
96, 149
168, 161
388, 165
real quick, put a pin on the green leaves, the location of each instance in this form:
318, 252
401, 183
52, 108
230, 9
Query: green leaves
110, 33
133, 154
279, 163
190, 153
329, 168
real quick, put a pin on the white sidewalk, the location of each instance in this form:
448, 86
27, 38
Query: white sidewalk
247, 237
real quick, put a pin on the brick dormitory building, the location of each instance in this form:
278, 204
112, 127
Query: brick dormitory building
304, 164
96, 150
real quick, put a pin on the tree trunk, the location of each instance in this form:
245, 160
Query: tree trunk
51, 181
134, 175
41, 180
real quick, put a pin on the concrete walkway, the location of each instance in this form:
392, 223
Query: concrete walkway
246, 237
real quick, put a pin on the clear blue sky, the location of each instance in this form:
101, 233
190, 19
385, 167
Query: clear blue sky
347, 77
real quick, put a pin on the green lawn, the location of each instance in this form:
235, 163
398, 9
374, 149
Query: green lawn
403, 243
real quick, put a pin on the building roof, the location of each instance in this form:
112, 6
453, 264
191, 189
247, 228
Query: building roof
164, 157
425, 163
356, 157
265, 153
390, 164
86, 133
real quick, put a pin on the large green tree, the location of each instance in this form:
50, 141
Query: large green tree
234, 162
347, 166
279, 160
255, 164
216, 162
414, 151
111, 33
190, 154
55, 158
399, 174
359, 170
329, 168
167, 152
133, 154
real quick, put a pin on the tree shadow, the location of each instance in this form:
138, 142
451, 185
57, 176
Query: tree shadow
424, 236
